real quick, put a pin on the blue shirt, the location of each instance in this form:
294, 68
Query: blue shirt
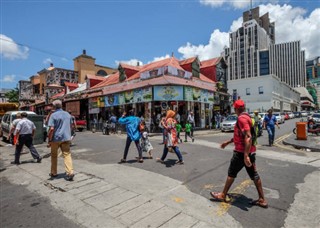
270, 121
61, 122
132, 123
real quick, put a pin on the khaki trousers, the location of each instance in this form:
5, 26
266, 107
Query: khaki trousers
66, 154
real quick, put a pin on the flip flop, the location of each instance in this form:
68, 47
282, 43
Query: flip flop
259, 203
215, 195
159, 160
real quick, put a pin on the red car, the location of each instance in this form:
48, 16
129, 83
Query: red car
286, 116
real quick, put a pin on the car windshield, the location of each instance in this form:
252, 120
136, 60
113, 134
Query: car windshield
229, 118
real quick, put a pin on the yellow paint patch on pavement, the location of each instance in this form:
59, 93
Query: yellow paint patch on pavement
208, 186
178, 200
240, 189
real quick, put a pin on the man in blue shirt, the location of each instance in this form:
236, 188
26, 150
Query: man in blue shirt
269, 123
60, 125
133, 134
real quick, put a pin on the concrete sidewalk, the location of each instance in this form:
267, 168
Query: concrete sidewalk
312, 143
115, 195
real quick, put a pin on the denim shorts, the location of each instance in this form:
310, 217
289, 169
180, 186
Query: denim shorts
237, 163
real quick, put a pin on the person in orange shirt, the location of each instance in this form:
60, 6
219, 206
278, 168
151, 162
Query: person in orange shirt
171, 139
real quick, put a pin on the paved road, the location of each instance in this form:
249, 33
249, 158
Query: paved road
289, 176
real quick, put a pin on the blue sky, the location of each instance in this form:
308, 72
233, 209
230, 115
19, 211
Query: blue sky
35, 33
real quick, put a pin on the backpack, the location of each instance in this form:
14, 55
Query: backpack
253, 132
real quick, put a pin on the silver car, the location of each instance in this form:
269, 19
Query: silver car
229, 123
279, 117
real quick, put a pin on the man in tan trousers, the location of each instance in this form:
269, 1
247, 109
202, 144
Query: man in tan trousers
60, 125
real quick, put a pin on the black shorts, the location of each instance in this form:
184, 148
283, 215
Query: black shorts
237, 163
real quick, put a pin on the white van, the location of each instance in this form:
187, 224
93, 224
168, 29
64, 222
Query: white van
7, 120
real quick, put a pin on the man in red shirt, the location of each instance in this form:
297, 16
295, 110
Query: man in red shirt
243, 156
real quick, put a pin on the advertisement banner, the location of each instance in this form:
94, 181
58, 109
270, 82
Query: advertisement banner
93, 102
111, 100
168, 93
188, 93
199, 95
142, 95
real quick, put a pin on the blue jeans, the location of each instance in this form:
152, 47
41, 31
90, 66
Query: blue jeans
128, 142
176, 150
271, 133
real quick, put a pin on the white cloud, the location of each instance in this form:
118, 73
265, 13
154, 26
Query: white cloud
291, 25
159, 58
47, 61
131, 62
217, 42
11, 50
237, 4
8, 78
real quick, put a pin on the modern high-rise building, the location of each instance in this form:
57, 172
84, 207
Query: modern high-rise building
275, 68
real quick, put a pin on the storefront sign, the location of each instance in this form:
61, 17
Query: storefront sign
142, 95
111, 100
196, 94
168, 93
94, 110
73, 107
93, 102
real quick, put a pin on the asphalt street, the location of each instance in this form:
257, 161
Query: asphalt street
286, 174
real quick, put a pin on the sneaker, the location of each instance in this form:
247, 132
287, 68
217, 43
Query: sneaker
70, 177
39, 160
180, 162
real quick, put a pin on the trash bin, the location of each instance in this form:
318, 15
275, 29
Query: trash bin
302, 131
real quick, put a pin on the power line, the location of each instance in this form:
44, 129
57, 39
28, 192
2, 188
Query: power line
35, 48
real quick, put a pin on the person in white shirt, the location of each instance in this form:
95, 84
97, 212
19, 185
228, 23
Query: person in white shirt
190, 119
25, 132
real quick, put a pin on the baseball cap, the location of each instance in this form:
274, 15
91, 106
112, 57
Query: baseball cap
238, 104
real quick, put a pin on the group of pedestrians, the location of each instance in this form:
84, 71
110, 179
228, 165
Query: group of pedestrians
137, 133
61, 123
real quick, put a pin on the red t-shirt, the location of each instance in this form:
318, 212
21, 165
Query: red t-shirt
244, 123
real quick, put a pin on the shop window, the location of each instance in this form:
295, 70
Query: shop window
260, 89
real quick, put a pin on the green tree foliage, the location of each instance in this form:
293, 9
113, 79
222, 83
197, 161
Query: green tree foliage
13, 95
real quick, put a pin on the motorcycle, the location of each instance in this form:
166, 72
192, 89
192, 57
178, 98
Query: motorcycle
312, 127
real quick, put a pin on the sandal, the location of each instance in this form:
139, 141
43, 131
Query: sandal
140, 160
217, 196
259, 203
180, 162
123, 160
159, 160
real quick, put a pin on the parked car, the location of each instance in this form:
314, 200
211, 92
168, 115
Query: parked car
316, 117
291, 115
81, 124
297, 114
280, 118
304, 114
229, 123
286, 116
6, 123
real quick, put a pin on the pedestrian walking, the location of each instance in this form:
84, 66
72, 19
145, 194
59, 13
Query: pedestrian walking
113, 121
171, 140
133, 134
243, 156
25, 132
145, 143
59, 136
191, 121
269, 123
187, 129
179, 129
74, 128
161, 123
13, 129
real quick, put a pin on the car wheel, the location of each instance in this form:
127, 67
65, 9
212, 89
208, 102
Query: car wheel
80, 129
